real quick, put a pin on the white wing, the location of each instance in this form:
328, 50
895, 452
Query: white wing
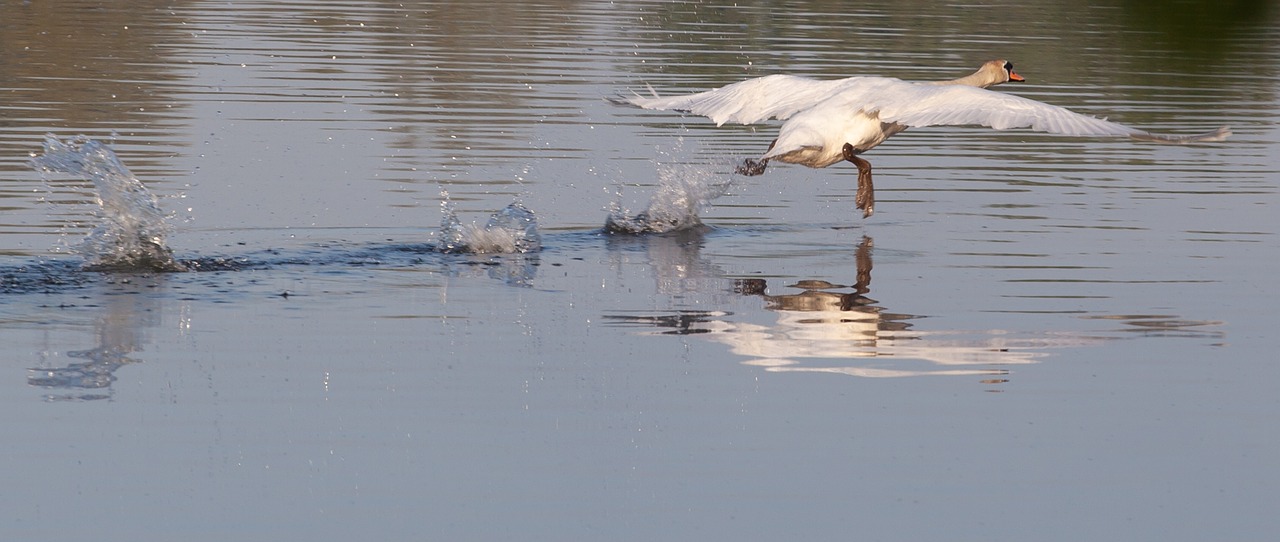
747, 102
896, 101
933, 105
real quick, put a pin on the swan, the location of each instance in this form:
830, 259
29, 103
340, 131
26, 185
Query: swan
828, 121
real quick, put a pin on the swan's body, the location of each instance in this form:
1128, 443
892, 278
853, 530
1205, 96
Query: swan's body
830, 121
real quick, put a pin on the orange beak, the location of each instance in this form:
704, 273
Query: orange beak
1015, 77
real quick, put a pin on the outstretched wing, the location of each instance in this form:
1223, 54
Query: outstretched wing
746, 102
919, 105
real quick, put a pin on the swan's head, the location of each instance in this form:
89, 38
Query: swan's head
998, 71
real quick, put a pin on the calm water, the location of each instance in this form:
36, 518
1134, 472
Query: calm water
1034, 338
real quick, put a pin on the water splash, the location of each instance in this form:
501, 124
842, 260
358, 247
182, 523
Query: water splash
513, 230
684, 190
131, 230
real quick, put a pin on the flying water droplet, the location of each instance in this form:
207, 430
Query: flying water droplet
131, 229
513, 230
683, 191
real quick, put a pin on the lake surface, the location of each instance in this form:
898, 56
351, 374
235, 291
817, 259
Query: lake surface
1034, 338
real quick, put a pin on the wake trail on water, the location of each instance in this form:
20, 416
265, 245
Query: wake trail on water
683, 192
131, 228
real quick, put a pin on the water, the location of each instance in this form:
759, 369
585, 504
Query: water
683, 191
514, 229
441, 287
130, 229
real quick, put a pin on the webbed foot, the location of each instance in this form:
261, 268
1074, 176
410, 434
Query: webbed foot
751, 168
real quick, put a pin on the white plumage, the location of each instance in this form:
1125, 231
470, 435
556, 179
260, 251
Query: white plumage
830, 121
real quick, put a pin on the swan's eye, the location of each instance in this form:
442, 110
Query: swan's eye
1008, 66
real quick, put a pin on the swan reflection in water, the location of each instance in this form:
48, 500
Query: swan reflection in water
821, 327
824, 321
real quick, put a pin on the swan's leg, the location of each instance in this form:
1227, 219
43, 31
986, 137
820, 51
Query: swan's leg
751, 167
865, 199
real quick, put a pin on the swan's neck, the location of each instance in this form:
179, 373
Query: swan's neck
976, 79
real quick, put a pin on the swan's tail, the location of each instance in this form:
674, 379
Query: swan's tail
1221, 134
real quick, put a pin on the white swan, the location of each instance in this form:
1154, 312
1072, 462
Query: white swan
830, 121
